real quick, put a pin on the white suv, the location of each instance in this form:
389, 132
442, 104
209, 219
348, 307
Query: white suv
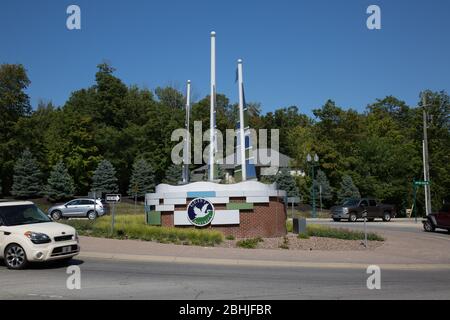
27, 234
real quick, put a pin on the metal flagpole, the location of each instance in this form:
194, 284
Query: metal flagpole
187, 147
426, 164
212, 119
241, 121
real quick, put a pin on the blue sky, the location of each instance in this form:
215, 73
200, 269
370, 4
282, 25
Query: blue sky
295, 52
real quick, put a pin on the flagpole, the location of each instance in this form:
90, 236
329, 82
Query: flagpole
187, 147
212, 119
241, 121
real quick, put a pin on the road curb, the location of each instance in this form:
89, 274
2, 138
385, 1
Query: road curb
260, 263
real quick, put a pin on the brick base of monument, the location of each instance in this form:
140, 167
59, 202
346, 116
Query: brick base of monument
267, 220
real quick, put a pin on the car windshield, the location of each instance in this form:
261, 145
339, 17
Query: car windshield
350, 202
22, 214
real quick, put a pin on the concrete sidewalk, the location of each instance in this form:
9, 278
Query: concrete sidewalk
401, 250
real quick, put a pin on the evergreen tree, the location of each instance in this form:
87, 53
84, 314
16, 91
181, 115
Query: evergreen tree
60, 184
348, 189
142, 178
322, 186
173, 174
285, 181
104, 179
27, 176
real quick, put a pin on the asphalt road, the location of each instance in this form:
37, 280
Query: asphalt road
104, 279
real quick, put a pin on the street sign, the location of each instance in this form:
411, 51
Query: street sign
113, 198
293, 199
422, 183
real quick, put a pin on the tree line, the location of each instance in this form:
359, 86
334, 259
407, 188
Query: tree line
112, 127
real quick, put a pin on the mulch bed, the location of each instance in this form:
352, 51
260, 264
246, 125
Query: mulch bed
313, 243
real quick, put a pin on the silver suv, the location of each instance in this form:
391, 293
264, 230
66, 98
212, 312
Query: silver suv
78, 208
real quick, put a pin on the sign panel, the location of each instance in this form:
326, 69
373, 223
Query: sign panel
113, 198
422, 183
200, 212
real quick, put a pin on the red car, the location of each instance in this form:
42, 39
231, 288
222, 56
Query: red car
438, 220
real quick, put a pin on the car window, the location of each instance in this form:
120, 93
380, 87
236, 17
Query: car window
73, 203
446, 208
364, 203
86, 202
372, 203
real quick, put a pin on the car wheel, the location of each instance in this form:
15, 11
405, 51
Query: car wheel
56, 215
336, 219
387, 216
428, 226
92, 215
353, 217
15, 257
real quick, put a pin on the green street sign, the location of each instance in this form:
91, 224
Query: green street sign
422, 183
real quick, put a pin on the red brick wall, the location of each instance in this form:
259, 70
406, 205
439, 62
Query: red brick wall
266, 220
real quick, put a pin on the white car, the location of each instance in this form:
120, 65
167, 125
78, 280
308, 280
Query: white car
28, 235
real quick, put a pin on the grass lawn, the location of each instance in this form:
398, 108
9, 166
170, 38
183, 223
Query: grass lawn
315, 230
134, 227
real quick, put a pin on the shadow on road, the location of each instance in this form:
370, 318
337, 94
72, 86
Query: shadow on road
58, 264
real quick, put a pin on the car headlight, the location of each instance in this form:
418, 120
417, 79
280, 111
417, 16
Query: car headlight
76, 236
345, 210
37, 238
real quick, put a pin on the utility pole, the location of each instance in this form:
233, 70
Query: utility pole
426, 165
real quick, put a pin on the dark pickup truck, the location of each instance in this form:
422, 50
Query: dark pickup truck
438, 220
352, 210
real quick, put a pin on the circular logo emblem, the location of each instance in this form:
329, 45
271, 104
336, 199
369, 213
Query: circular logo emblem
200, 212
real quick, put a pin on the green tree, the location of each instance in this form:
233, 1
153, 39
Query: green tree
27, 176
173, 174
60, 184
348, 189
323, 188
104, 179
142, 178
14, 104
285, 181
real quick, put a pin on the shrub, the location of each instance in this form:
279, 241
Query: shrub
303, 235
249, 243
230, 237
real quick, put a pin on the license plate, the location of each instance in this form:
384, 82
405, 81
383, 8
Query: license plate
66, 249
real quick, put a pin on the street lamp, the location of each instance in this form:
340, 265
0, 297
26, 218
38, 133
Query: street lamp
313, 161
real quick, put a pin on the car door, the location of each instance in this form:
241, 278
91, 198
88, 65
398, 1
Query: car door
86, 206
373, 209
363, 205
443, 217
2, 236
72, 208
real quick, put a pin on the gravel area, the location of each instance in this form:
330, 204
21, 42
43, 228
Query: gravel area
313, 243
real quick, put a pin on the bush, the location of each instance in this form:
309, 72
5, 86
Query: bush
338, 233
249, 243
303, 235
230, 237
134, 227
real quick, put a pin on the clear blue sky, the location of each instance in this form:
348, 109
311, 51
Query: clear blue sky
295, 52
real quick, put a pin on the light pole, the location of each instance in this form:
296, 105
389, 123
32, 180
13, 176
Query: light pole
313, 161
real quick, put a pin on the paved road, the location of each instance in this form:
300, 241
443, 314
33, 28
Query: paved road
104, 279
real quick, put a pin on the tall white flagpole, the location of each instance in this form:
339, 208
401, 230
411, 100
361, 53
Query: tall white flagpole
241, 121
212, 119
187, 147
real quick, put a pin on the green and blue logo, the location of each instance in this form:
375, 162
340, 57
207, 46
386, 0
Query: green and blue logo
200, 212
